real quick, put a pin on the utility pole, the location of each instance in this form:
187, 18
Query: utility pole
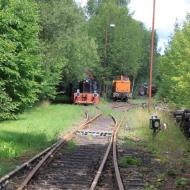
151, 57
106, 47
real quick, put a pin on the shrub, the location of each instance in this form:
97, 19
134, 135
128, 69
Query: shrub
20, 70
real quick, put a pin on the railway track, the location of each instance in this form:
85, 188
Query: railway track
8, 181
58, 167
133, 178
108, 175
123, 106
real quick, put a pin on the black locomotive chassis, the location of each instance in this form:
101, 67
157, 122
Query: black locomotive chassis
183, 118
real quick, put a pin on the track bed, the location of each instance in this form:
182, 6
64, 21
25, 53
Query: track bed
73, 167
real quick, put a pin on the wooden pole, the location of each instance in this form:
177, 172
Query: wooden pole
151, 57
106, 48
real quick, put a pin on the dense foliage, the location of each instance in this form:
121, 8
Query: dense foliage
20, 71
123, 49
31, 70
175, 67
45, 43
65, 44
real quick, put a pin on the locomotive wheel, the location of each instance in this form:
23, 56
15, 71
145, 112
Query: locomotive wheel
114, 99
125, 99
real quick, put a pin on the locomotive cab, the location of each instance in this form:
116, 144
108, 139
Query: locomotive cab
87, 93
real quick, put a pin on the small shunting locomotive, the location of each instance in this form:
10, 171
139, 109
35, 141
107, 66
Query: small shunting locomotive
87, 92
121, 88
144, 90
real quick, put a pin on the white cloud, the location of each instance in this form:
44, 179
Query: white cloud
167, 11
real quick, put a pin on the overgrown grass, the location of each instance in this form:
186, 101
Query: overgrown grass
140, 100
107, 109
170, 149
5, 167
71, 146
167, 142
126, 161
35, 130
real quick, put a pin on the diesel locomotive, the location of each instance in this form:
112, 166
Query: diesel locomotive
87, 92
121, 88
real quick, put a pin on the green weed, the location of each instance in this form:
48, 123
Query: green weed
108, 110
185, 162
182, 182
127, 161
140, 100
150, 187
172, 173
6, 167
71, 145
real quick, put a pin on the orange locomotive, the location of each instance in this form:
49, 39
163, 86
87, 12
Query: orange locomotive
121, 88
87, 93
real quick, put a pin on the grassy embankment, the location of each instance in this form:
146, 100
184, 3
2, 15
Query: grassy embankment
169, 146
33, 131
167, 140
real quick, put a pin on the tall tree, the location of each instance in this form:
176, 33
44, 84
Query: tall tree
66, 47
175, 67
121, 48
20, 69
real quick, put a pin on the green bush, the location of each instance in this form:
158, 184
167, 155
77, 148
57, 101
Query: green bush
20, 68
7, 107
175, 80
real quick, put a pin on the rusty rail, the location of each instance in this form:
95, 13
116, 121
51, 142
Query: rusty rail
119, 106
124, 105
117, 173
99, 172
5, 178
66, 138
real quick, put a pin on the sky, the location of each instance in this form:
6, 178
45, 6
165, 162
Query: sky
167, 11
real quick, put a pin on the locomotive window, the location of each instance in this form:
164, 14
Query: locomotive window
86, 87
95, 86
